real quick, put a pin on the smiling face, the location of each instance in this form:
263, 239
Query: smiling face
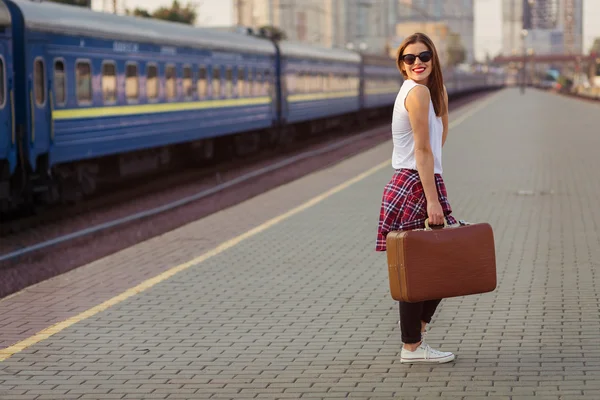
419, 70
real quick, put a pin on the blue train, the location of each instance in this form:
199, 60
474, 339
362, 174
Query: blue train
88, 96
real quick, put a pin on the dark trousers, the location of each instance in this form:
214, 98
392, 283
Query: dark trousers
411, 315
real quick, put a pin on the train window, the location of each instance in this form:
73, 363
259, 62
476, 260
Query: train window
252, 77
83, 78
188, 84
228, 83
39, 82
132, 83
2, 86
202, 84
307, 83
152, 82
297, 83
241, 81
306, 79
258, 82
248, 83
216, 83
291, 82
267, 84
109, 82
171, 82
300, 83
59, 83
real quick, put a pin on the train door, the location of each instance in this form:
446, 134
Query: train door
8, 144
38, 94
7, 131
283, 92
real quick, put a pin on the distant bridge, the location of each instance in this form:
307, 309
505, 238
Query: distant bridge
546, 58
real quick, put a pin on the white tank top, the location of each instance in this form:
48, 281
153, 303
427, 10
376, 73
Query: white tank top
403, 155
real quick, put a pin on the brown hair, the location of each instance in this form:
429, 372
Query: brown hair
435, 83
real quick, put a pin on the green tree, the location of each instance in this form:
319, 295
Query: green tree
274, 32
456, 51
80, 3
139, 12
177, 13
596, 46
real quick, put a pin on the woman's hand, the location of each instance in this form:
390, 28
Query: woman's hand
435, 213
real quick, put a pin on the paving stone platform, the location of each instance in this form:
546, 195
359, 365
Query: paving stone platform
302, 309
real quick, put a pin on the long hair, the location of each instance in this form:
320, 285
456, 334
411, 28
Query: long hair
435, 83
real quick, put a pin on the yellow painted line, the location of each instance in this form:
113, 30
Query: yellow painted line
94, 112
321, 96
147, 284
474, 110
46, 333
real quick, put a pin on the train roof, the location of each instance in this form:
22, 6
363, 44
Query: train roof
301, 50
72, 20
4, 15
379, 60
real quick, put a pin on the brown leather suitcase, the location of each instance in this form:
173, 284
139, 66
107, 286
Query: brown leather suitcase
428, 264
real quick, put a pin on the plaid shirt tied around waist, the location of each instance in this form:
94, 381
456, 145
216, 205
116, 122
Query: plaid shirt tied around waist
404, 206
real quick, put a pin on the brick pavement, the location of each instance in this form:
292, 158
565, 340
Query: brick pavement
302, 309
49, 302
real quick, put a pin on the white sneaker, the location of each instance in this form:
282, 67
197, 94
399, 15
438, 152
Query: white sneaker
425, 354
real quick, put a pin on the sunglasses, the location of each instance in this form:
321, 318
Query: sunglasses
409, 59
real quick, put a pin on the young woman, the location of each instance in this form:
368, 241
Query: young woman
416, 191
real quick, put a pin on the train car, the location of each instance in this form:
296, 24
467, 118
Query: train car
459, 81
318, 84
381, 81
97, 85
8, 139
87, 97
596, 73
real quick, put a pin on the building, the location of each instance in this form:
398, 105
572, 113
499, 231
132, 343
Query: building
571, 18
542, 26
540, 14
456, 15
370, 24
439, 32
365, 25
512, 25
309, 21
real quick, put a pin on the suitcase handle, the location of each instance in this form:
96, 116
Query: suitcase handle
427, 224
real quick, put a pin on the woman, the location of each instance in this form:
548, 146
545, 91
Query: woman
416, 191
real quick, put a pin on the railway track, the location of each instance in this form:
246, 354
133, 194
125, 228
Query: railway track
152, 183
60, 240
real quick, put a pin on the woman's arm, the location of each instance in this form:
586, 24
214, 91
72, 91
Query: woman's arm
445, 118
417, 104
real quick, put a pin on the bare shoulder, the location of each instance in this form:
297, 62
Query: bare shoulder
417, 97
